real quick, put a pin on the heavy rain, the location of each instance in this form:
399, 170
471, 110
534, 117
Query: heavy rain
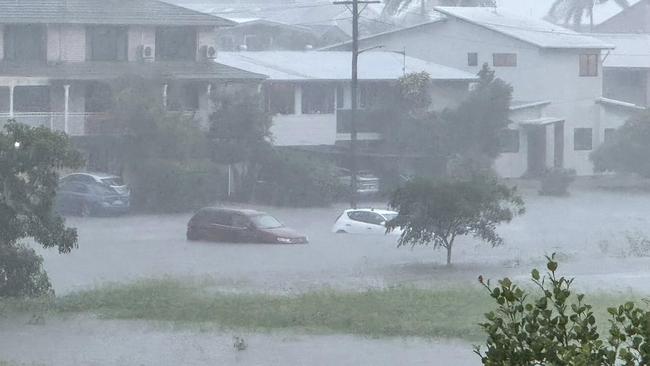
311, 182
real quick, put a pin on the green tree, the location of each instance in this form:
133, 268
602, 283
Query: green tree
472, 130
438, 212
628, 149
573, 12
29, 159
558, 327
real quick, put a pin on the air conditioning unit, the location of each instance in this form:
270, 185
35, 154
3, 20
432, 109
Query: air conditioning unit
208, 52
146, 53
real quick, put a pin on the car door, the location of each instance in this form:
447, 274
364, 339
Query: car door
375, 223
74, 196
356, 224
216, 227
242, 229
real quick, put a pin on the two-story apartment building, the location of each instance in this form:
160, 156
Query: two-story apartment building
57, 58
547, 65
308, 93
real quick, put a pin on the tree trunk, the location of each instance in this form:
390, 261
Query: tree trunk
449, 254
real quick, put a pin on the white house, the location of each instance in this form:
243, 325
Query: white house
547, 65
307, 91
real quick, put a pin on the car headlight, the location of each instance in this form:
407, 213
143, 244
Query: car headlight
284, 240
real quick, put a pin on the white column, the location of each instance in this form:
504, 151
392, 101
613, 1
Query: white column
66, 107
297, 98
165, 96
11, 101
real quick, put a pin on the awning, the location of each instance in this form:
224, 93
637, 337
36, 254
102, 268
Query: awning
543, 121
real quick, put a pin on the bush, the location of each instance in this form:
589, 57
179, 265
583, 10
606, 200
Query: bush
21, 273
556, 181
170, 186
297, 179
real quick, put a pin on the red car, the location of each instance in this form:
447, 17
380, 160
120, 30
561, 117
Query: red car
243, 226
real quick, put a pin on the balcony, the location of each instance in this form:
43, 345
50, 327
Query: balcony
368, 125
74, 124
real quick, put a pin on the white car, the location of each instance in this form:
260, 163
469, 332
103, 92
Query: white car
364, 221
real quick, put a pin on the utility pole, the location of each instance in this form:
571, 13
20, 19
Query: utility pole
354, 87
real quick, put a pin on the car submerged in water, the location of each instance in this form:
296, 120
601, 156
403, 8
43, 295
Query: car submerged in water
365, 221
87, 194
240, 226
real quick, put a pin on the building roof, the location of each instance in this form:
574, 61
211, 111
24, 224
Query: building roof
530, 30
632, 50
619, 104
335, 65
118, 12
109, 70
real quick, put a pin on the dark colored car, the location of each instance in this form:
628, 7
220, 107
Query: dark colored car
244, 226
92, 198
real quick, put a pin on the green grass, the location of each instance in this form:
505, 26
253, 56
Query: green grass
400, 311
451, 313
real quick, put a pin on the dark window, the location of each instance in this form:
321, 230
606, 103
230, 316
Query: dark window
340, 97
240, 221
366, 217
182, 97
220, 218
176, 44
4, 99
609, 134
227, 43
256, 43
105, 43
589, 65
317, 99
368, 95
504, 59
509, 141
472, 59
32, 99
25, 43
98, 97
582, 139
75, 187
281, 99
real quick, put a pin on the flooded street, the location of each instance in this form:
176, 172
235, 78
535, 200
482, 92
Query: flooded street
589, 230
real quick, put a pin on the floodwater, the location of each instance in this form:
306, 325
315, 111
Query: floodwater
588, 230
89, 342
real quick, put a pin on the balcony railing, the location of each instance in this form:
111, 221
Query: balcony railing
74, 124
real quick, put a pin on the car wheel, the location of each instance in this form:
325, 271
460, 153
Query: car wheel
341, 232
84, 210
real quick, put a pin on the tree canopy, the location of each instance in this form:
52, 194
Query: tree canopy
437, 212
628, 148
29, 159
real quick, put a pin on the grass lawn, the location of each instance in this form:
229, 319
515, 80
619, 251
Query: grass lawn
401, 311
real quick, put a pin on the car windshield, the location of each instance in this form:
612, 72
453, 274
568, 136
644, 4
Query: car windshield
112, 181
389, 216
266, 222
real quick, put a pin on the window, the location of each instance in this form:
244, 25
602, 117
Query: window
281, 99
340, 97
317, 99
582, 139
589, 65
25, 43
509, 141
4, 99
227, 43
32, 99
176, 44
182, 97
472, 59
609, 134
240, 221
368, 95
504, 59
105, 43
256, 43
366, 217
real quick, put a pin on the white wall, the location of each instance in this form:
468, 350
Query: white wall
540, 74
304, 129
140, 36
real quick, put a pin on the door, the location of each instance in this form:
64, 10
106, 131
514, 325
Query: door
536, 150
216, 227
242, 229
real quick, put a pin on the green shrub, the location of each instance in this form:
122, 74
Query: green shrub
22, 273
169, 186
556, 181
297, 179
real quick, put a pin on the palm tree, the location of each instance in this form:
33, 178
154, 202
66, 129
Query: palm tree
393, 7
572, 12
